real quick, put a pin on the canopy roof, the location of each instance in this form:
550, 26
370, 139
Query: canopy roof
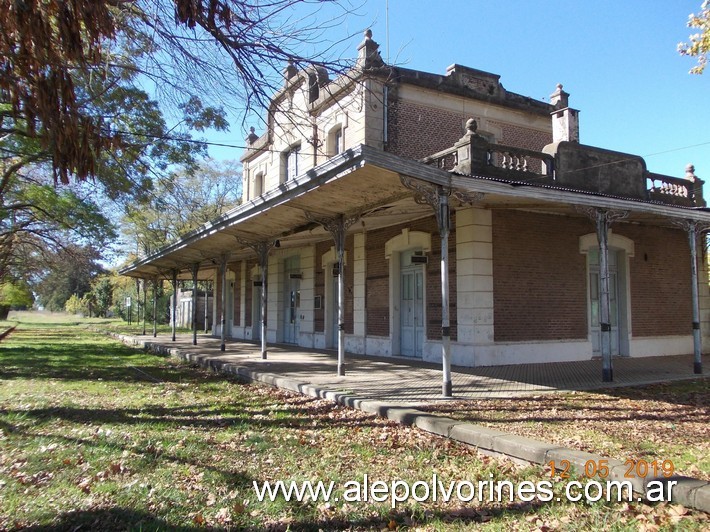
366, 182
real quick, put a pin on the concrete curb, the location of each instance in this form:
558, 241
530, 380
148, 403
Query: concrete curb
689, 492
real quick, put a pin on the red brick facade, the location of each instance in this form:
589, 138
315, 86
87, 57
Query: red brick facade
416, 131
377, 296
540, 278
660, 281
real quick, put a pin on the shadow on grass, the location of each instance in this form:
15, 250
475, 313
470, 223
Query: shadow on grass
119, 518
107, 519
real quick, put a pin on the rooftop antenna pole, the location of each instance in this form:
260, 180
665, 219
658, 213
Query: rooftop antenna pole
387, 24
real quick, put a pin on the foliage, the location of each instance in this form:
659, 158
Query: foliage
70, 272
75, 305
182, 202
14, 295
102, 295
699, 45
224, 46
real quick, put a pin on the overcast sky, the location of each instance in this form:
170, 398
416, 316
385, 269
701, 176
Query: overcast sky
616, 58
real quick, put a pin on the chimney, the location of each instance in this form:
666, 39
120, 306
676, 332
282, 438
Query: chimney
565, 120
368, 56
289, 72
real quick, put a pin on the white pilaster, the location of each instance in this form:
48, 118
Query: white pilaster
474, 271
359, 271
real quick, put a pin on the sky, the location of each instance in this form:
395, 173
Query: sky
618, 60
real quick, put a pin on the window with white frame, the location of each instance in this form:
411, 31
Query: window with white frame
335, 141
291, 160
258, 184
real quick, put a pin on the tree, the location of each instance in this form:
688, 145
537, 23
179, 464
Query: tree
231, 46
182, 202
70, 272
39, 218
699, 45
14, 295
102, 292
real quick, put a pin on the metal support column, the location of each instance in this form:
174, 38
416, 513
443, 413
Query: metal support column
262, 250
437, 197
338, 228
697, 343
223, 320
207, 299
144, 282
174, 305
155, 307
444, 221
605, 302
264, 267
195, 270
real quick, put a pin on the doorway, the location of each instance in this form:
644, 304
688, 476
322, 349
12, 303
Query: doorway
292, 300
411, 317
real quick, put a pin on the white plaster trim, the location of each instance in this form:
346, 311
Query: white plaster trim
469, 355
408, 240
589, 241
330, 257
652, 346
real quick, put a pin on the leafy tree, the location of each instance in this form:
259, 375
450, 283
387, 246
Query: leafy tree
231, 46
182, 202
102, 293
70, 272
699, 45
74, 305
14, 295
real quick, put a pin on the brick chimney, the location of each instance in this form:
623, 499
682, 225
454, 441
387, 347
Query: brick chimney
565, 120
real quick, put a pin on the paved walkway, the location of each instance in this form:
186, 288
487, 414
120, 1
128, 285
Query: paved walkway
402, 381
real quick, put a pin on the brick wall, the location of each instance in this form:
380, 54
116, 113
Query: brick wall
660, 281
417, 131
377, 297
539, 277
522, 137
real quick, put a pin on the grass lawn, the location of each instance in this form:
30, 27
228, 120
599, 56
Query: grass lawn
94, 435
